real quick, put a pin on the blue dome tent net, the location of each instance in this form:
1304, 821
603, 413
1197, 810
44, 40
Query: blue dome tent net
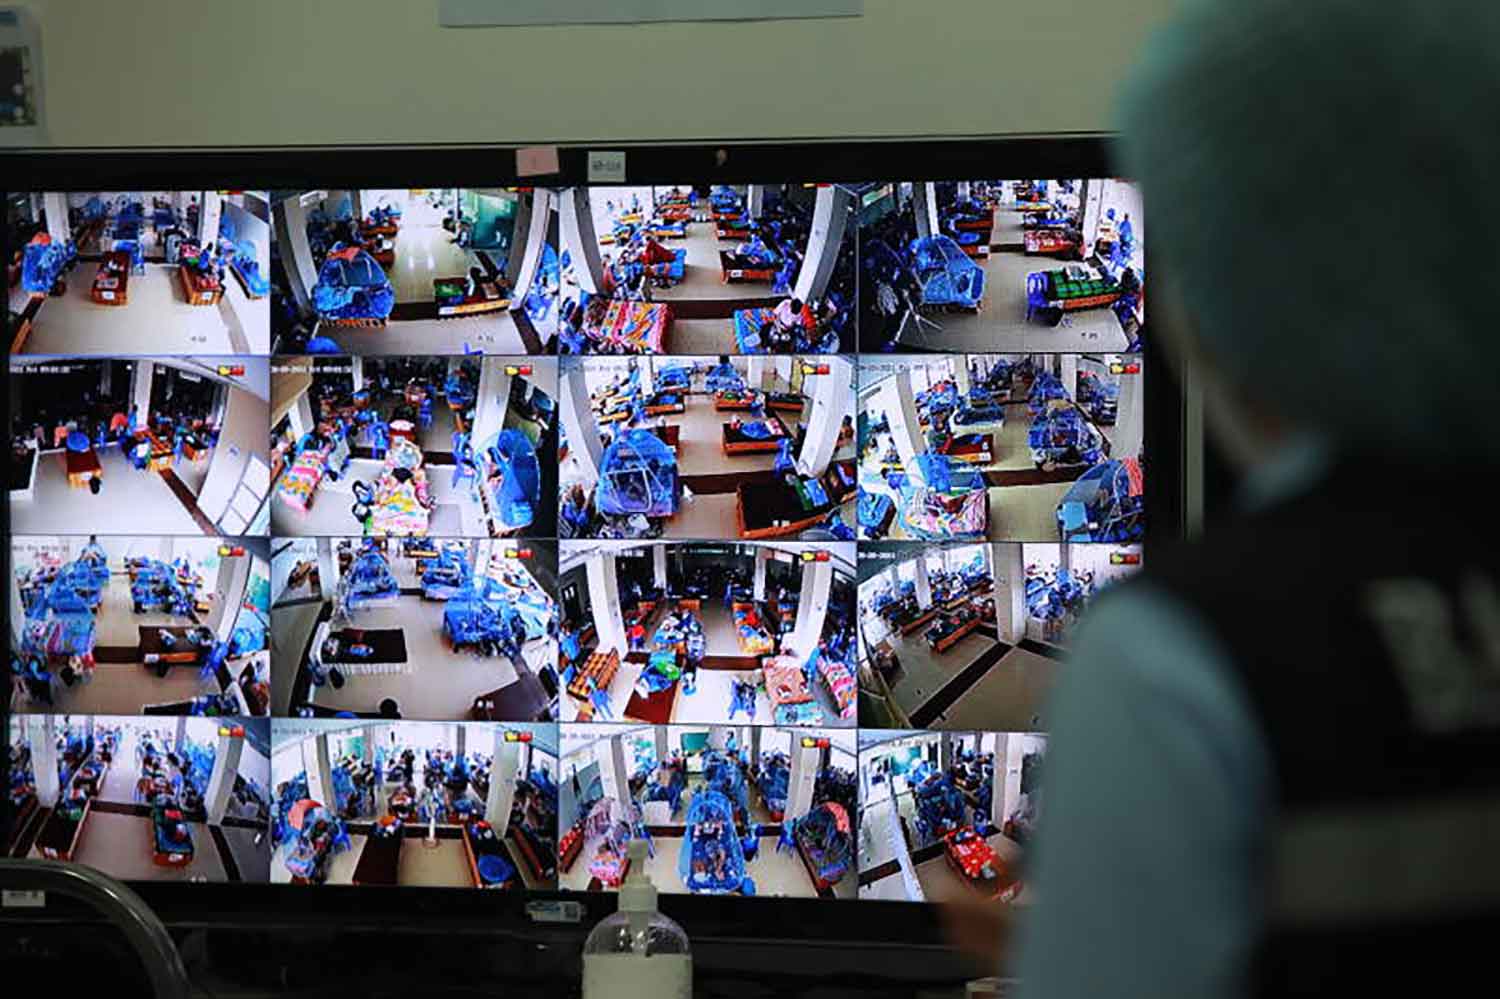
638, 475
351, 285
945, 273
1106, 504
518, 485
723, 774
43, 263
371, 579
712, 860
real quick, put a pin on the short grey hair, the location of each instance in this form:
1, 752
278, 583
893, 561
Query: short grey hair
1321, 178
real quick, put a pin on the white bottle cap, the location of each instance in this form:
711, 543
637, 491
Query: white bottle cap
638, 893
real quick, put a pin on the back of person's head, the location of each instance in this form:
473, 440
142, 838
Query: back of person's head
1319, 177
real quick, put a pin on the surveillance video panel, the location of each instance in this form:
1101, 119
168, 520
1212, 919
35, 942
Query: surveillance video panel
439, 629
948, 816
143, 799
956, 635
104, 273
414, 446
1004, 447
160, 625
416, 271
141, 445
1019, 266
708, 269
711, 632
725, 809
757, 448
414, 804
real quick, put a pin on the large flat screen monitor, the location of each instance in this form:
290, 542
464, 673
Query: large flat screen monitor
395, 534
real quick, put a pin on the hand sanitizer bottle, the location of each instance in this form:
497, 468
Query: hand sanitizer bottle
637, 953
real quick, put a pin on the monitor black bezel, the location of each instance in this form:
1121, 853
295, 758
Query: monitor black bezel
870, 923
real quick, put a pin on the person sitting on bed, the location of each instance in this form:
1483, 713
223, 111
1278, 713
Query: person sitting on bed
788, 314
655, 253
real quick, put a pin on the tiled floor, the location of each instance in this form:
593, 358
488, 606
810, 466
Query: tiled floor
1010, 697
156, 320
148, 505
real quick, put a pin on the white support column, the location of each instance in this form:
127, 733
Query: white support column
315, 761
17, 617
924, 586
755, 197
229, 592
924, 205
301, 414
1130, 418
289, 221
960, 365
492, 399
505, 762
164, 549
1009, 779
800, 782
44, 757
963, 190
576, 219
647, 375
614, 774
141, 389
756, 373
1009, 570
832, 399
179, 737
998, 744
659, 565
328, 568
529, 244
604, 599
226, 767
579, 423
755, 747
56, 204
1067, 373
758, 575
357, 203
906, 425
812, 609
357, 372
830, 219
662, 746
210, 208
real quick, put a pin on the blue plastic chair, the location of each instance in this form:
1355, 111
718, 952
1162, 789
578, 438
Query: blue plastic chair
380, 437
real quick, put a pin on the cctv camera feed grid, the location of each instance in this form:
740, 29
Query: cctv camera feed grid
790, 615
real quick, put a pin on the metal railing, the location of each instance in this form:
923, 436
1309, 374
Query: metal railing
117, 903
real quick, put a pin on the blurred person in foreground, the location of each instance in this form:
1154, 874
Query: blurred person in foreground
1275, 756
